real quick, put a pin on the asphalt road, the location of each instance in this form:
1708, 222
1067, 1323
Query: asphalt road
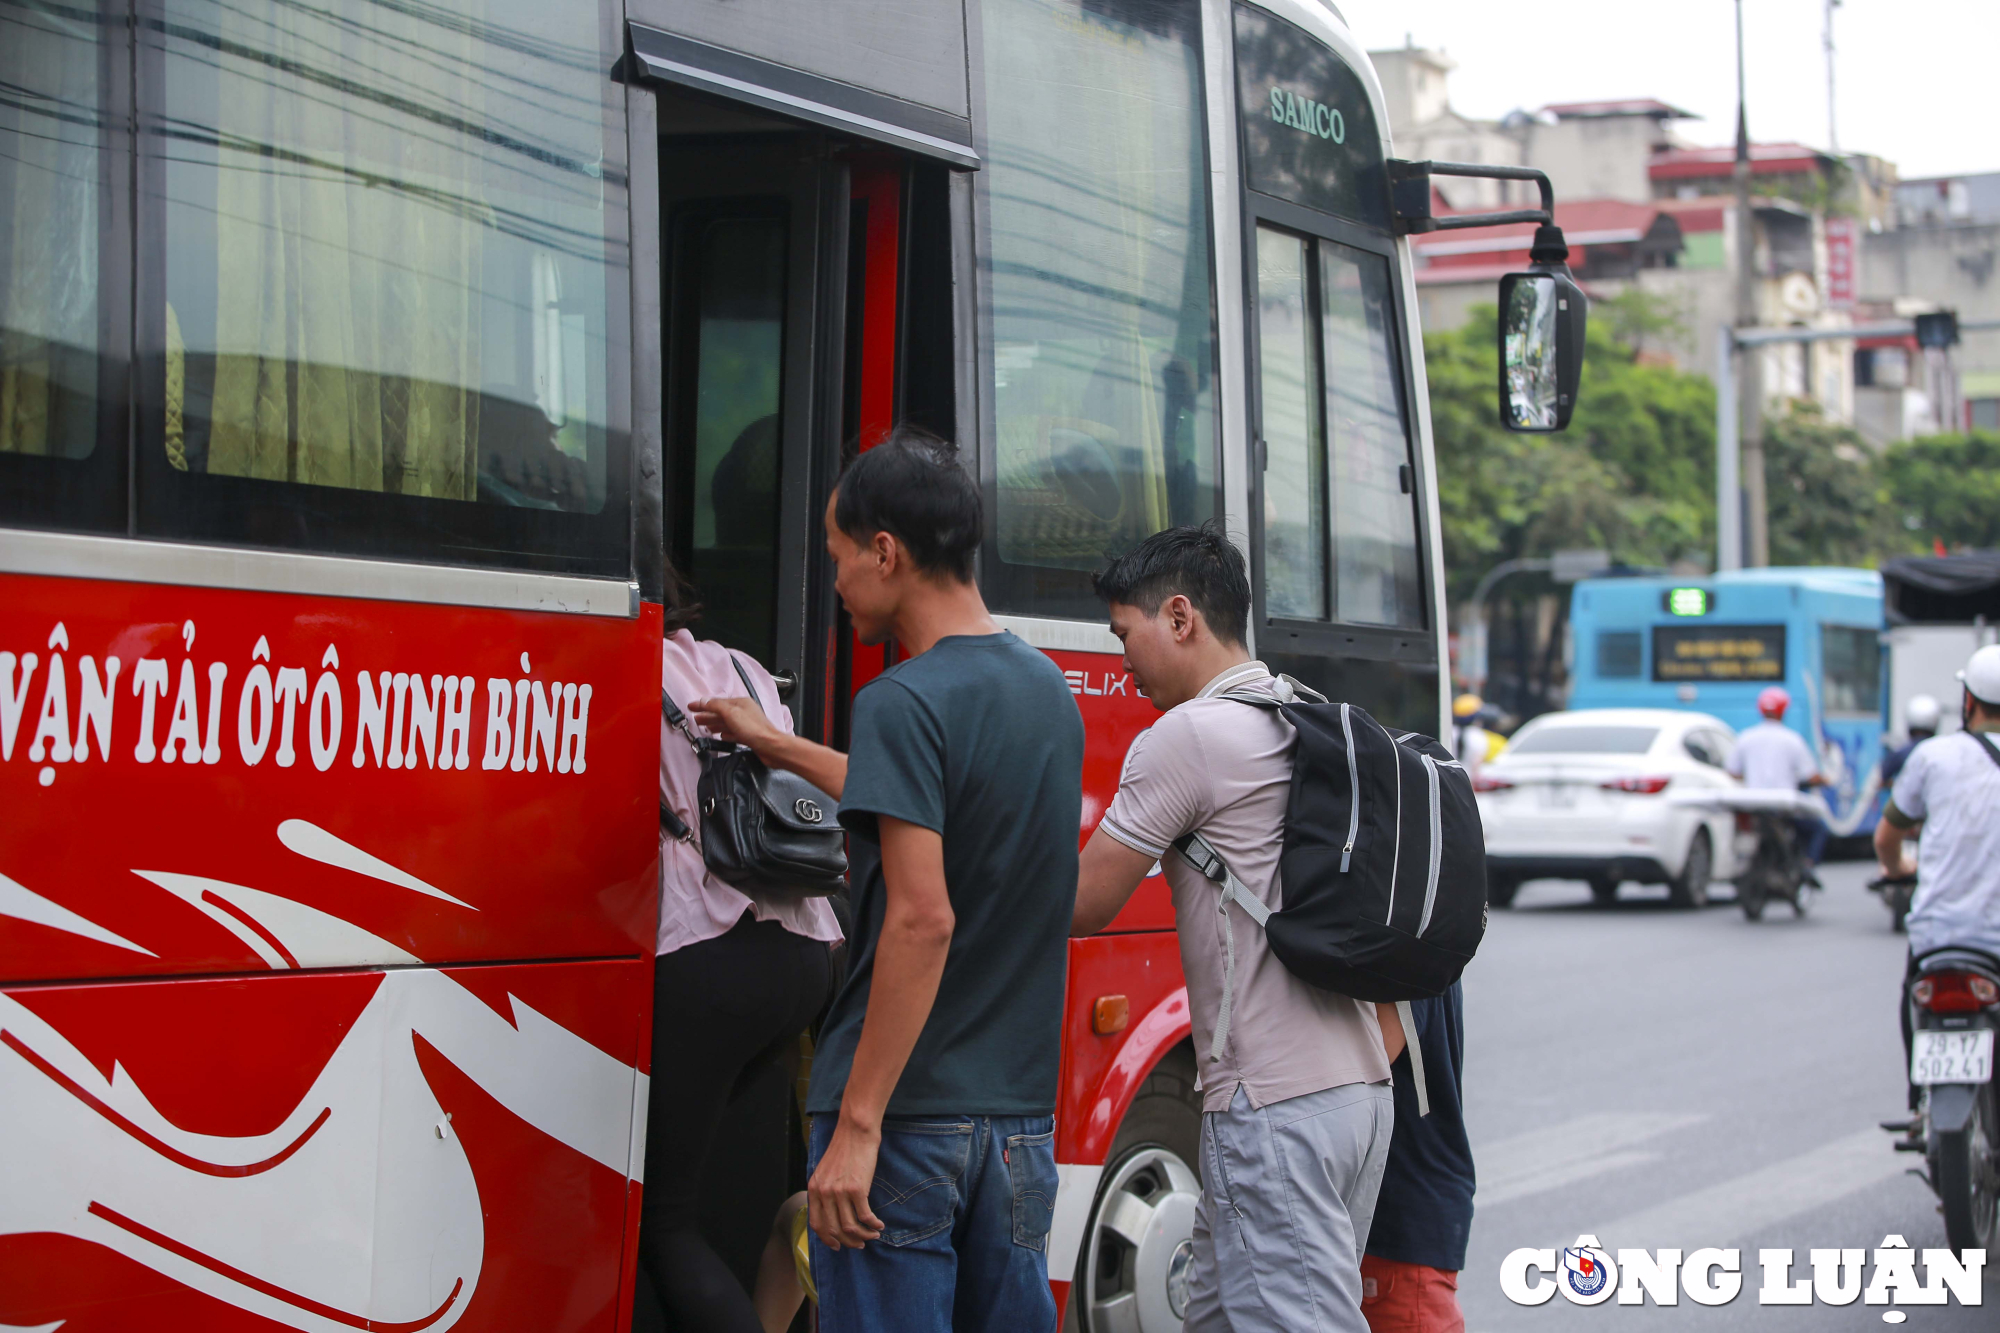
1665, 1078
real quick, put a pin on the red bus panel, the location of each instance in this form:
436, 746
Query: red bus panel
184, 767
411, 1148
412, 852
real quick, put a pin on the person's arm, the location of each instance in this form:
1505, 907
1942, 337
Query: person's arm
917, 924
1892, 831
1809, 764
1393, 1037
740, 720
1106, 875
1815, 776
1163, 792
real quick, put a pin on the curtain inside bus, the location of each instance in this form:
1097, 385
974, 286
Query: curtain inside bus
385, 264
51, 142
1098, 271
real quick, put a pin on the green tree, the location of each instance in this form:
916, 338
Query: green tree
1946, 488
1633, 474
1824, 496
1639, 319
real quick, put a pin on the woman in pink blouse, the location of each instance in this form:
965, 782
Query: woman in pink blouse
736, 981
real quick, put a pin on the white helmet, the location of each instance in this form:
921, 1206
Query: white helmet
1982, 675
1922, 712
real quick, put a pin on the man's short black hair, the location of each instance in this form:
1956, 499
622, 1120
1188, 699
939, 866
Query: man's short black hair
912, 487
1199, 563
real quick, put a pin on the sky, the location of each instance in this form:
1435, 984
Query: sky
1916, 80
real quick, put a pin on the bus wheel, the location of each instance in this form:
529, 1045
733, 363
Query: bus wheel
1132, 1276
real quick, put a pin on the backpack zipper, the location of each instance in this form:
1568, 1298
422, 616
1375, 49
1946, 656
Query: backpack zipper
1437, 845
1353, 790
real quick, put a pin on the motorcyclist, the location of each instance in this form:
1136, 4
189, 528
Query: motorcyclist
1920, 718
1770, 756
1949, 790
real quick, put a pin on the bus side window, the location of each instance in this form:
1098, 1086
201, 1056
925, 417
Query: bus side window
61, 435
387, 302
1618, 652
1339, 516
1851, 665
1098, 293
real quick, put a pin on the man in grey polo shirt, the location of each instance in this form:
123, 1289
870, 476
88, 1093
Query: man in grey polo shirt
1296, 1106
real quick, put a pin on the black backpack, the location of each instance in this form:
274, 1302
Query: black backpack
1383, 871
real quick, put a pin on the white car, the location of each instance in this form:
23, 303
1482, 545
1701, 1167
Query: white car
1589, 795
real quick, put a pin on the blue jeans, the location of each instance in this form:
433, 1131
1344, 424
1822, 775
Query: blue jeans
1812, 839
965, 1204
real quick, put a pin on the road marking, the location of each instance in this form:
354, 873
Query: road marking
1764, 1197
1546, 1159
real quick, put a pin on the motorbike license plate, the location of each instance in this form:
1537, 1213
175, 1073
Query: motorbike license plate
1952, 1057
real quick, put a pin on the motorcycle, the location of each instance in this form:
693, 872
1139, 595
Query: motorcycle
1895, 891
1954, 1010
1777, 867
1771, 858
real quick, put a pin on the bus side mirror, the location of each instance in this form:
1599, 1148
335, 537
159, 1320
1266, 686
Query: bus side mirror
1542, 317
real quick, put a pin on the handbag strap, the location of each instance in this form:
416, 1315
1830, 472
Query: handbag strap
674, 824
748, 684
678, 720
670, 820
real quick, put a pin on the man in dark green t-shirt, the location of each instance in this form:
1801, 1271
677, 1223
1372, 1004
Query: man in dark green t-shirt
934, 1084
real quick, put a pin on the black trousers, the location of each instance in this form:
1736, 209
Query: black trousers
724, 1011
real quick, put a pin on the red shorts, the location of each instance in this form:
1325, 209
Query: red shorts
1409, 1298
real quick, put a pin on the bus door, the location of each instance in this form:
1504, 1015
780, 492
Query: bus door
753, 229
787, 255
807, 309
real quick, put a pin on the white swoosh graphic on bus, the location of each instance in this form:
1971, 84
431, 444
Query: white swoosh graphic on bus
360, 1209
315, 843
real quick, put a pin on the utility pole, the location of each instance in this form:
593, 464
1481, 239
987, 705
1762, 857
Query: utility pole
1832, 129
1756, 535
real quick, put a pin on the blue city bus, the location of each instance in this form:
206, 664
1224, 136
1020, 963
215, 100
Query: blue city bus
1712, 644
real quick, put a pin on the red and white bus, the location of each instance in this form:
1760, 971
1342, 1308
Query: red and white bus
358, 362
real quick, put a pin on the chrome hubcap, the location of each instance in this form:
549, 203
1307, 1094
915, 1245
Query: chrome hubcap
1140, 1250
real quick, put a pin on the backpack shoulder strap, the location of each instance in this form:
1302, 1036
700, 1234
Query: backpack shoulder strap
1251, 697
1415, 1050
1209, 864
1285, 691
1986, 745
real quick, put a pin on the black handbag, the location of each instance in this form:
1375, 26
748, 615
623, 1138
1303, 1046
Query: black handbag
764, 831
